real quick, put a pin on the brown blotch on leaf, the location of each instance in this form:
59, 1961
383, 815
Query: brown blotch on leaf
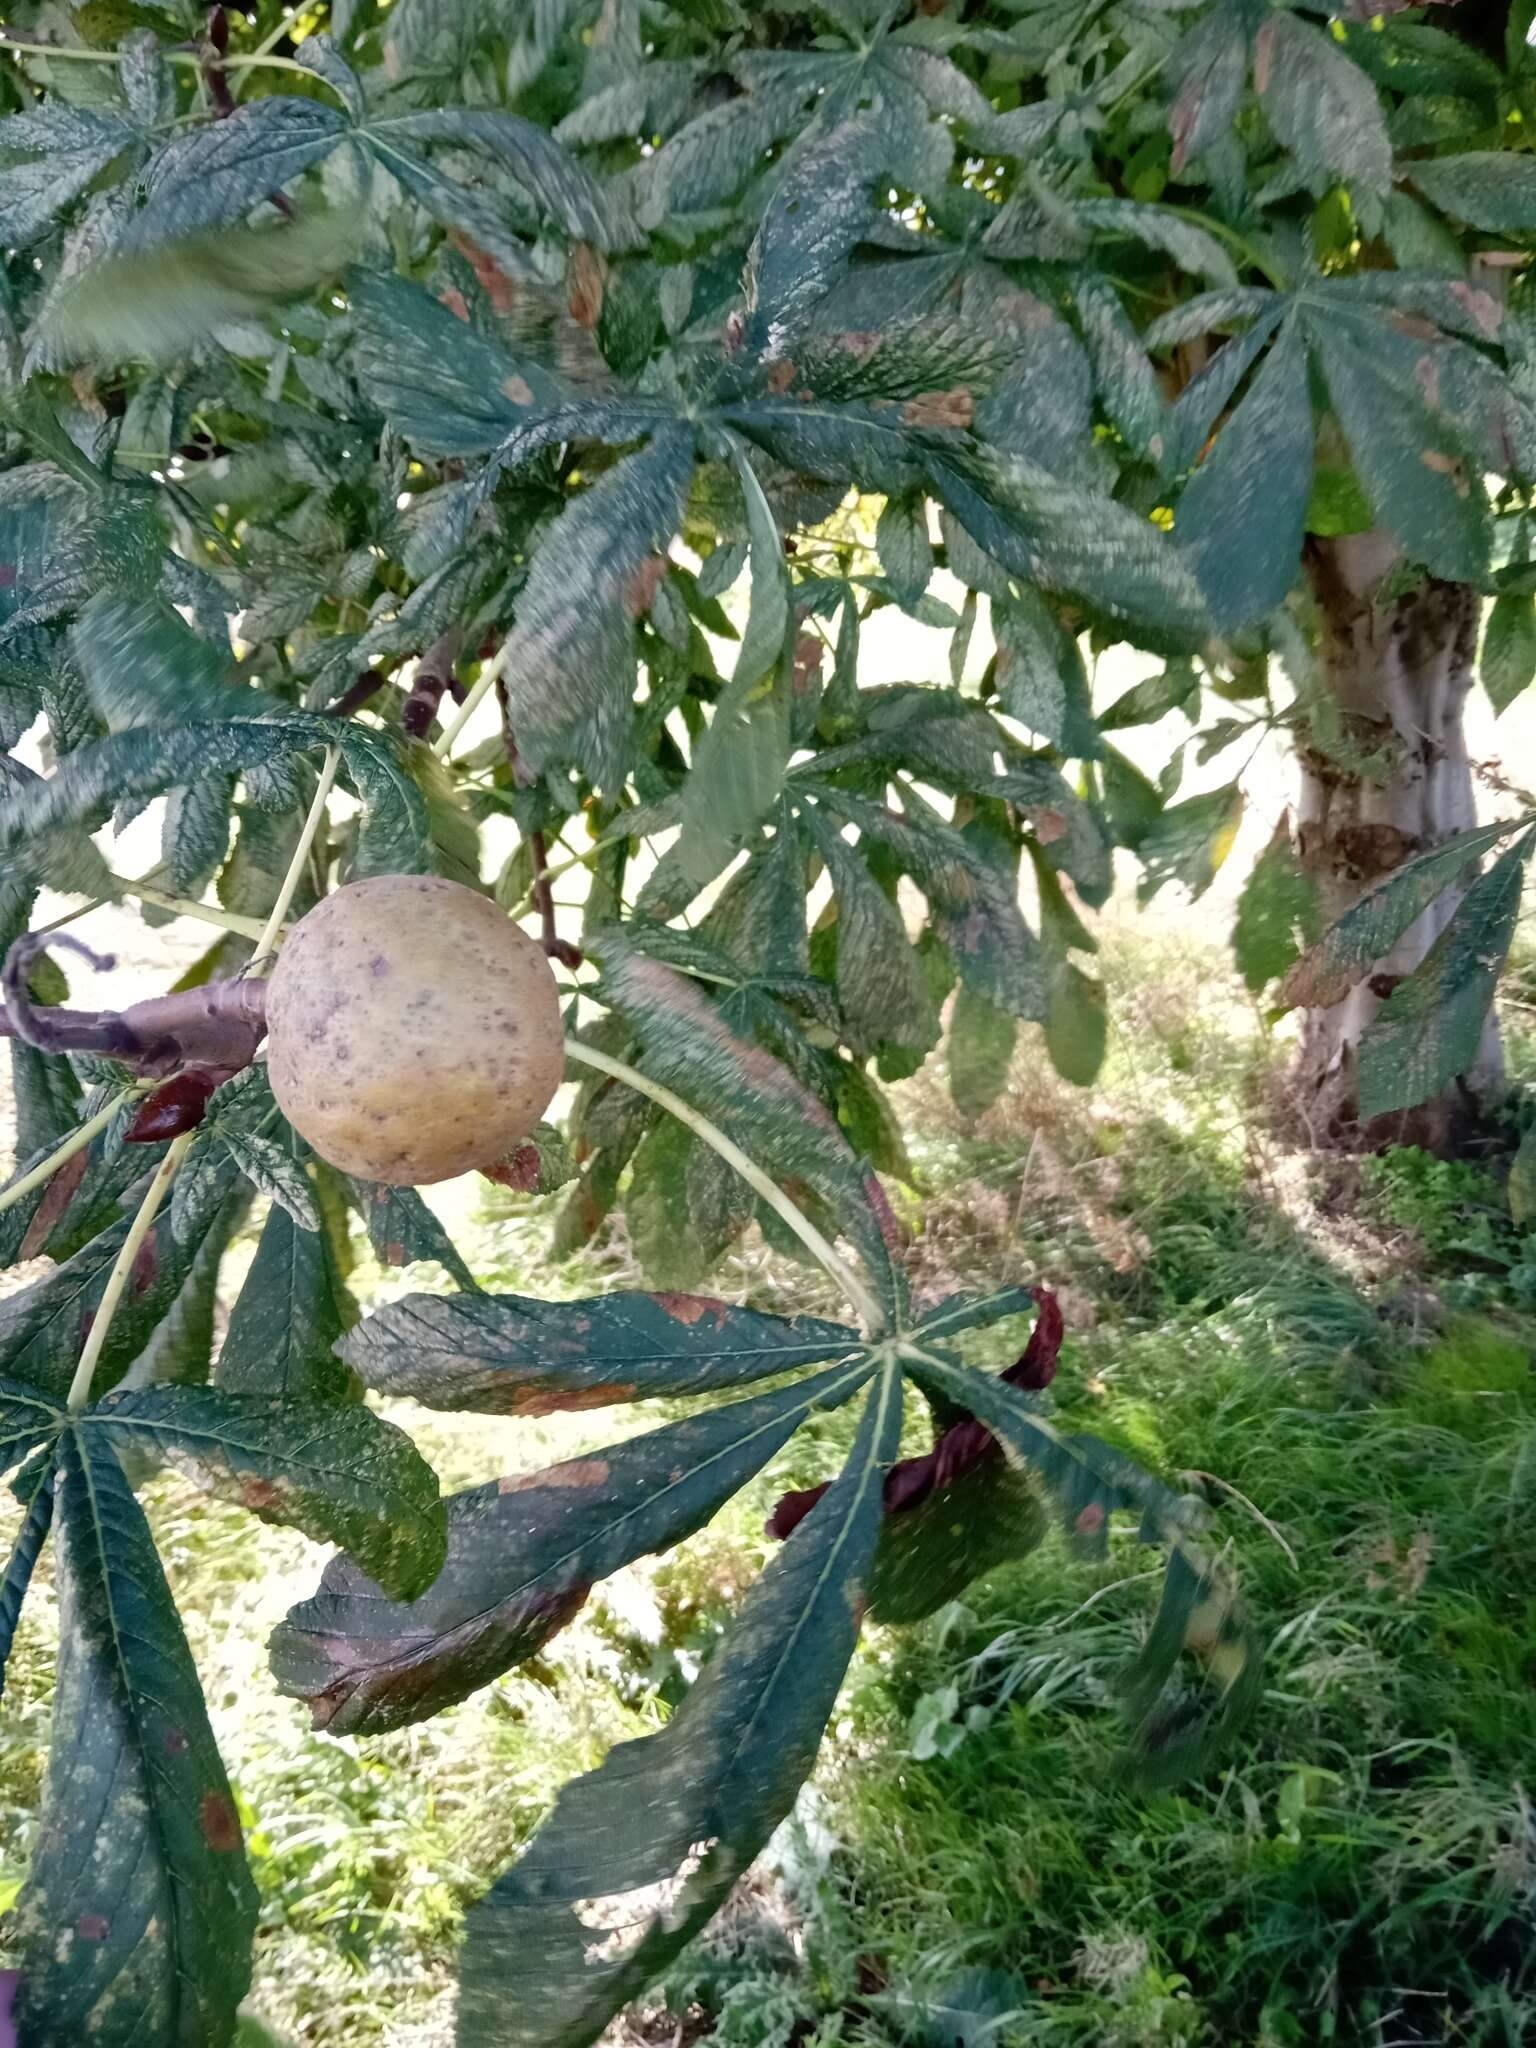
1263, 57
59, 1194
456, 303
644, 584
955, 408
7, 575
145, 1265
257, 1494
577, 1474
691, 1308
518, 389
219, 1822
93, 1927
781, 375
175, 1743
1047, 825
1090, 1521
587, 277
537, 1401
494, 282
394, 1253
520, 1173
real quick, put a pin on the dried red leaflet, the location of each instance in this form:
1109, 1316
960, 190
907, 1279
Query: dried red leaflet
177, 1106
912, 1480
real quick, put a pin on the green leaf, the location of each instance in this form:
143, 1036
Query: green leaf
1243, 513
820, 209
1076, 1024
194, 838
1188, 842
1322, 107
1422, 484
1369, 929
27, 1419
552, 178
287, 1318
1279, 912
881, 988
690, 1806
1430, 1028
773, 1117
274, 1171
21, 1561
401, 1228
214, 175
340, 1474
739, 764
570, 674
972, 901
442, 383
1211, 63
1509, 650
1089, 1482
902, 543
523, 1554
1040, 676
511, 1354
1522, 1181
1490, 189
71, 145
1127, 383
138, 1852
928, 1554
979, 1052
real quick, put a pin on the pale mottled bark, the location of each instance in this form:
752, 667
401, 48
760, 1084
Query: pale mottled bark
1397, 672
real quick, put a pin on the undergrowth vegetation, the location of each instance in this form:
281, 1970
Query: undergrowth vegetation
1335, 1359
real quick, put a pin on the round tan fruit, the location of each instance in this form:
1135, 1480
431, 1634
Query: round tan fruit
413, 1030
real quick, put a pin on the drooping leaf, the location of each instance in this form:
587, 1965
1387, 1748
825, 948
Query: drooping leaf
69, 146
1243, 513
687, 1046
522, 1555
1089, 1482
1279, 912
690, 1807
820, 208
1509, 649
1076, 1024
739, 763
984, 1517
504, 1354
881, 986
341, 1474
902, 543
21, 1561
1369, 929
979, 1052
27, 1419
570, 675
401, 1228
139, 1852
287, 1318
1431, 1026
1188, 842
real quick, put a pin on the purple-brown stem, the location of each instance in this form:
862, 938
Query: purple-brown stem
368, 684
219, 1025
434, 675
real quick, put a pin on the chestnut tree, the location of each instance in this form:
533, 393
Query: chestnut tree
366, 367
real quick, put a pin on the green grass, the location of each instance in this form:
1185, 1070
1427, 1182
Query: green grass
975, 1862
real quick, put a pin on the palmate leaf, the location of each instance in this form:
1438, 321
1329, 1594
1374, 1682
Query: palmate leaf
1431, 1025
214, 175
1322, 107
1485, 188
148, 760
689, 1808
340, 1474
1369, 930
69, 147
137, 1918
522, 1556
510, 1354
553, 179
1088, 1482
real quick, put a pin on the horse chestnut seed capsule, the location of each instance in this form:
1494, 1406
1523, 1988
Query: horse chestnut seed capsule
413, 1031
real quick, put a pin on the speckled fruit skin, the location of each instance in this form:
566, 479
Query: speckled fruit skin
413, 1030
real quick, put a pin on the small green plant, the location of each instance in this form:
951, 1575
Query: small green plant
1476, 1250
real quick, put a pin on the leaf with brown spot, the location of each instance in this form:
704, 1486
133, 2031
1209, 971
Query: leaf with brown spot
138, 1840
338, 1472
688, 1809
522, 1554
955, 408
586, 283
508, 1354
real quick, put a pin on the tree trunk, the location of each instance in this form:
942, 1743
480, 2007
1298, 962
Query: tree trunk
1384, 776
